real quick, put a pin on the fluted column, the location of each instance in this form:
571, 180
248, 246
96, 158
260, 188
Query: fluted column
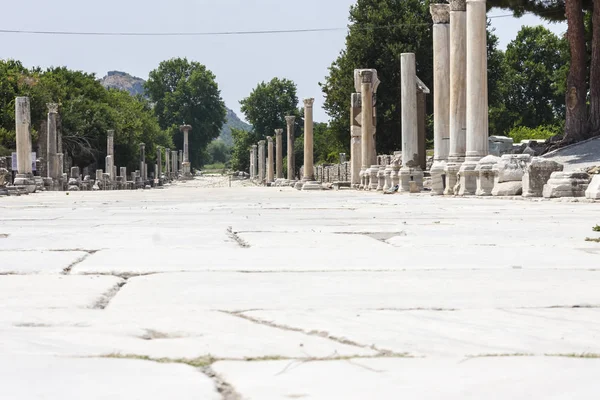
477, 95
355, 139
411, 169
309, 173
458, 92
186, 166
366, 81
270, 174
441, 94
290, 147
279, 153
52, 145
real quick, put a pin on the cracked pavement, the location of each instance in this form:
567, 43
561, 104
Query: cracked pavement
200, 291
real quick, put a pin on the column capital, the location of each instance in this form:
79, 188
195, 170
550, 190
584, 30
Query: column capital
142, 145
110, 132
278, 132
440, 13
254, 147
458, 5
52, 108
261, 142
308, 103
366, 76
290, 119
185, 128
270, 139
167, 149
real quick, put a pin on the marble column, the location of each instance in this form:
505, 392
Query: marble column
24, 177
355, 139
174, 164
186, 166
167, 163
441, 95
270, 174
411, 169
261, 161
366, 81
477, 95
110, 153
52, 146
309, 170
279, 151
291, 167
180, 161
254, 162
158, 169
458, 93
143, 171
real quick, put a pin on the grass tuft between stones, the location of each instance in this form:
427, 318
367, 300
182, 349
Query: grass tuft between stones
199, 362
596, 228
576, 355
595, 240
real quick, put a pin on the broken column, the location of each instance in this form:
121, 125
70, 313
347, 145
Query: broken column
537, 174
567, 184
24, 177
261, 161
279, 151
458, 93
186, 166
477, 95
254, 161
143, 167
270, 174
174, 164
355, 140
110, 153
158, 165
74, 180
411, 169
290, 148
441, 94
167, 164
593, 190
309, 173
180, 162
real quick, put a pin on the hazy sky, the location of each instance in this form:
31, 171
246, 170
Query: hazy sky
239, 62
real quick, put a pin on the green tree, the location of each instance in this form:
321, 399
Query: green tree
533, 80
240, 153
187, 92
218, 152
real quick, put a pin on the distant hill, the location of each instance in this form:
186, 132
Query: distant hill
134, 85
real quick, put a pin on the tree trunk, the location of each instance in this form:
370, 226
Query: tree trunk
595, 72
576, 125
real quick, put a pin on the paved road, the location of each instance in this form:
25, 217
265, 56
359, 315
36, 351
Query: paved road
201, 291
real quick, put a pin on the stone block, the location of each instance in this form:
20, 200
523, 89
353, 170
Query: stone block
514, 188
593, 190
511, 167
500, 145
566, 184
537, 174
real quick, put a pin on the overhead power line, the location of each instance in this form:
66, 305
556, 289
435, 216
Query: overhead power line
224, 33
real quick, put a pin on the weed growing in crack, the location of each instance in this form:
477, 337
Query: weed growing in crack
596, 228
575, 355
595, 240
199, 362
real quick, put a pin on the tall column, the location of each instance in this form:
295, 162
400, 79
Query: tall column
168, 163
251, 162
411, 169
355, 139
477, 95
180, 161
458, 92
143, 172
52, 146
279, 155
291, 167
254, 162
174, 164
158, 169
441, 94
309, 173
261, 161
23, 136
186, 166
110, 158
270, 174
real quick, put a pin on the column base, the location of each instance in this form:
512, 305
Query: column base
312, 185
468, 179
25, 181
408, 175
438, 178
451, 172
373, 178
186, 172
486, 175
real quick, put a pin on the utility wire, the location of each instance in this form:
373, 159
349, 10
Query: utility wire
225, 33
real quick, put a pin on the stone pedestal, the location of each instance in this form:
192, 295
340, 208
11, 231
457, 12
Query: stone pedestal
486, 177
24, 178
74, 180
291, 165
270, 173
185, 165
441, 95
373, 177
308, 141
593, 190
458, 105
537, 174
411, 168
311, 185
279, 155
566, 184
381, 178
508, 174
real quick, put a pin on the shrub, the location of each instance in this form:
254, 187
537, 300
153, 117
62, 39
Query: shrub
520, 133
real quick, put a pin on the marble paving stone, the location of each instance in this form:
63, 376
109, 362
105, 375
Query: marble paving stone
38, 262
515, 378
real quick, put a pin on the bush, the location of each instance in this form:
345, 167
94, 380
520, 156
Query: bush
520, 133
